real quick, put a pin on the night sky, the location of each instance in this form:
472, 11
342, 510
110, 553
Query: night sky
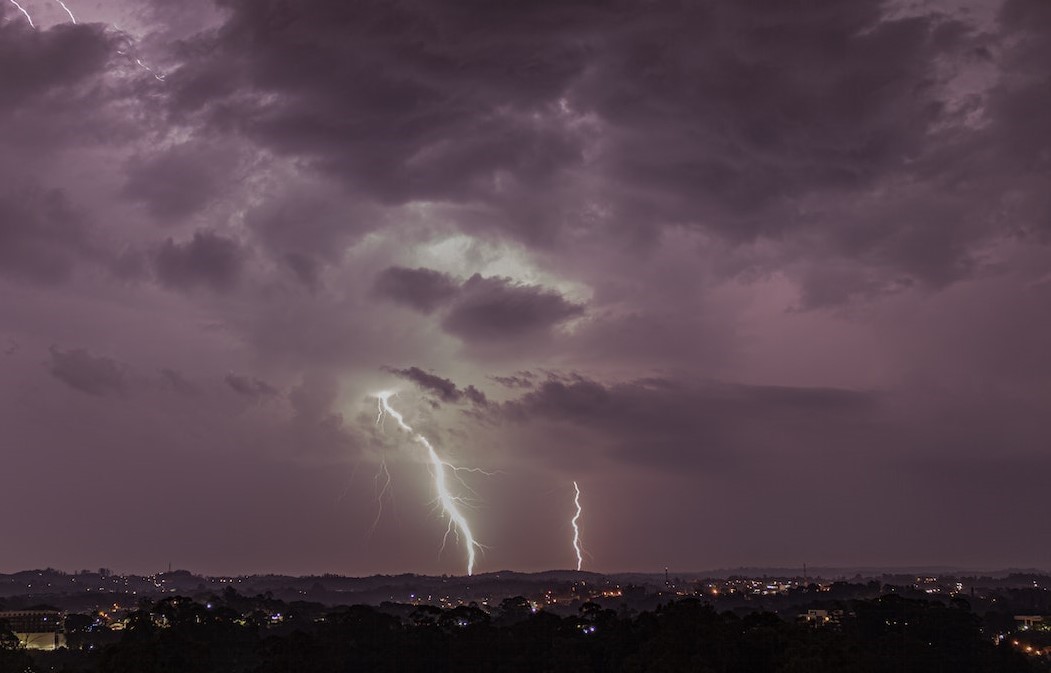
769, 279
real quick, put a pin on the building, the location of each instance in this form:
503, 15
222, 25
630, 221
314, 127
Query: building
821, 617
36, 629
1030, 621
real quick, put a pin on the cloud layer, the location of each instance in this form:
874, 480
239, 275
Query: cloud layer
733, 267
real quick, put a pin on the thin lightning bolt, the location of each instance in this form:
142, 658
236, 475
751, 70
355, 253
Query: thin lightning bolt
130, 42
387, 487
150, 70
576, 528
382, 473
24, 12
71, 17
159, 77
449, 503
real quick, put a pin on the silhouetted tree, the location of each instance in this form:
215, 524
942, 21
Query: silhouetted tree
13, 657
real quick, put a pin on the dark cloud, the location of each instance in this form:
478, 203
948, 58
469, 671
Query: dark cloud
316, 221
36, 64
481, 309
423, 104
745, 120
41, 237
87, 373
445, 389
1010, 160
672, 423
249, 386
178, 182
518, 380
316, 429
475, 396
207, 259
175, 381
57, 96
420, 289
498, 309
775, 103
305, 268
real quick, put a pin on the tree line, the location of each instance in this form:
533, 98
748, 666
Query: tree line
233, 634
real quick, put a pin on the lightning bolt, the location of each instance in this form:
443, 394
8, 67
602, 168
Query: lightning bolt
383, 473
30, 19
381, 490
129, 43
576, 528
439, 469
159, 78
24, 12
71, 17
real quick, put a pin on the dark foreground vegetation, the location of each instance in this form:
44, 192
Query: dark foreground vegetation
178, 635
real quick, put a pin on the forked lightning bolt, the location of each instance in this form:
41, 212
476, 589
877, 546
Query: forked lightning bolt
576, 528
439, 469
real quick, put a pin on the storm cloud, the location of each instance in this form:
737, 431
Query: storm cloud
673, 423
87, 373
41, 238
480, 309
722, 264
248, 386
207, 259
445, 389
420, 289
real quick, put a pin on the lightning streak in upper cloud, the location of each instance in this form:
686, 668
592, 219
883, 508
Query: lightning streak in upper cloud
450, 503
24, 12
576, 528
158, 76
71, 17
150, 70
126, 52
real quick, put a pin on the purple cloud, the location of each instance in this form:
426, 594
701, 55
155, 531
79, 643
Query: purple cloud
178, 182
495, 309
812, 242
91, 374
41, 237
207, 259
249, 387
445, 389
421, 289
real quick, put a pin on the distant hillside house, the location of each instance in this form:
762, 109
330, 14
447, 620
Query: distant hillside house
1031, 621
36, 629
